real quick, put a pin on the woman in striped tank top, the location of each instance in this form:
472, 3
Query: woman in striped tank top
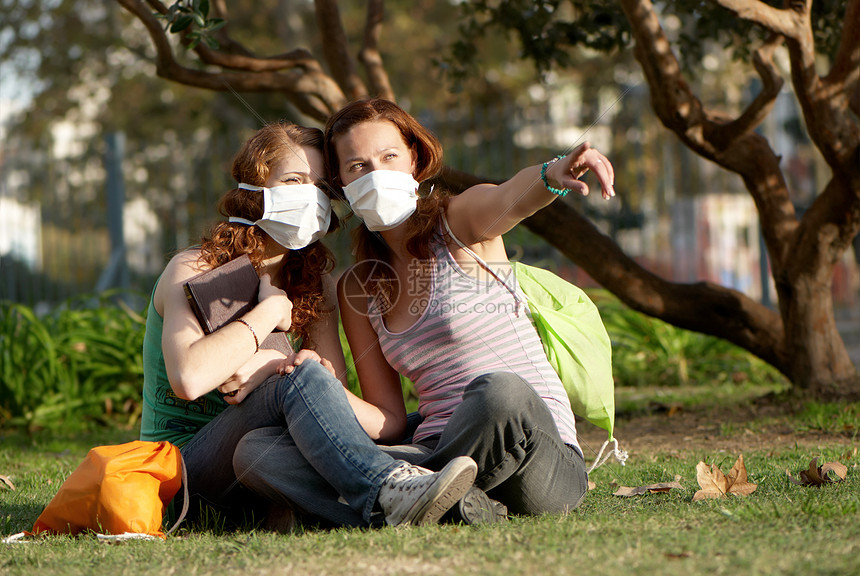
432, 298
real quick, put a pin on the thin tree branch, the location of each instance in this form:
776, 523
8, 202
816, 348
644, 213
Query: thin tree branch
298, 57
235, 56
758, 110
163, 50
336, 49
825, 104
227, 44
219, 8
370, 55
846, 64
677, 107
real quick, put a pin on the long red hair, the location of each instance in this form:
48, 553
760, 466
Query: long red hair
301, 275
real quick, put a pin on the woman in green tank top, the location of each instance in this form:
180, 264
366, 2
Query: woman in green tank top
187, 373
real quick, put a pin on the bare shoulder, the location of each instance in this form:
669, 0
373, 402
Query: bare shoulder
474, 231
183, 266
179, 270
470, 213
350, 280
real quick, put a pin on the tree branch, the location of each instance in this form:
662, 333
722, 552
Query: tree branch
226, 42
370, 55
778, 21
846, 64
233, 55
758, 110
163, 49
825, 104
671, 97
704, 307
731, 145
336, 49
311, 91
298, 57
821, 102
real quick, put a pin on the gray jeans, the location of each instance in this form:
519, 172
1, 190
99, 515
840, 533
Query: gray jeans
501, 423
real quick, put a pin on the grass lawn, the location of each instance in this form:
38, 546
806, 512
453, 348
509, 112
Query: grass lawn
781, 528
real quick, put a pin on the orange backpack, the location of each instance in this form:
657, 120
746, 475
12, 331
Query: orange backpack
119, 490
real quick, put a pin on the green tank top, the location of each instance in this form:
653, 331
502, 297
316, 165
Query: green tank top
166, 416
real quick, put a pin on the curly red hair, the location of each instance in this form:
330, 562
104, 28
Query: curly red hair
302, 272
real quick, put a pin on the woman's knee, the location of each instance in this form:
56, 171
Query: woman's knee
251, 451
307, 380
501, 392
311, 374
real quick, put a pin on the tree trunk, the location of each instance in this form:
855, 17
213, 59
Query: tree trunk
817, 354
805, 344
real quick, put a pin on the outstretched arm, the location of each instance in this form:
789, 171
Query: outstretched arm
486, 211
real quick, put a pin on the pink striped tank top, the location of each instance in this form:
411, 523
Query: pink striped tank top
469, 327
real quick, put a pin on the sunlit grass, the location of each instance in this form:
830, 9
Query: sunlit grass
781, 528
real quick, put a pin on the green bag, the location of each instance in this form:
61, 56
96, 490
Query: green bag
575, 341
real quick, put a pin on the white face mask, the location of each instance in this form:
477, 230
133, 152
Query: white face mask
294, 215
383, 198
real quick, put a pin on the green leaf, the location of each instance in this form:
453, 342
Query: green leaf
181, 23
215, 24
210, 42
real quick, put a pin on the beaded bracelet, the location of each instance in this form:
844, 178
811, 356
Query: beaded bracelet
253, 332
559, 191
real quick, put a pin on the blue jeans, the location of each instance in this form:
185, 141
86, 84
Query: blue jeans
310, 411
502, 424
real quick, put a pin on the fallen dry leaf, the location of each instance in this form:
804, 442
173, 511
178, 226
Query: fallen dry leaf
591, 485
649, 489
738, 483
6, 482
715, 484
827, 473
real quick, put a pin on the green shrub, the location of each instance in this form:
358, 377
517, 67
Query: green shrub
76, 365
81, 363
648, 351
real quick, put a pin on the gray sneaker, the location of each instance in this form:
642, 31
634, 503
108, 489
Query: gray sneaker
415, 495
476, 508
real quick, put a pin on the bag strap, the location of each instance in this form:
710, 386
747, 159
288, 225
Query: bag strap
185, 498
517, 295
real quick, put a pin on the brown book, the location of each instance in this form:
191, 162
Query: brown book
226, 293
